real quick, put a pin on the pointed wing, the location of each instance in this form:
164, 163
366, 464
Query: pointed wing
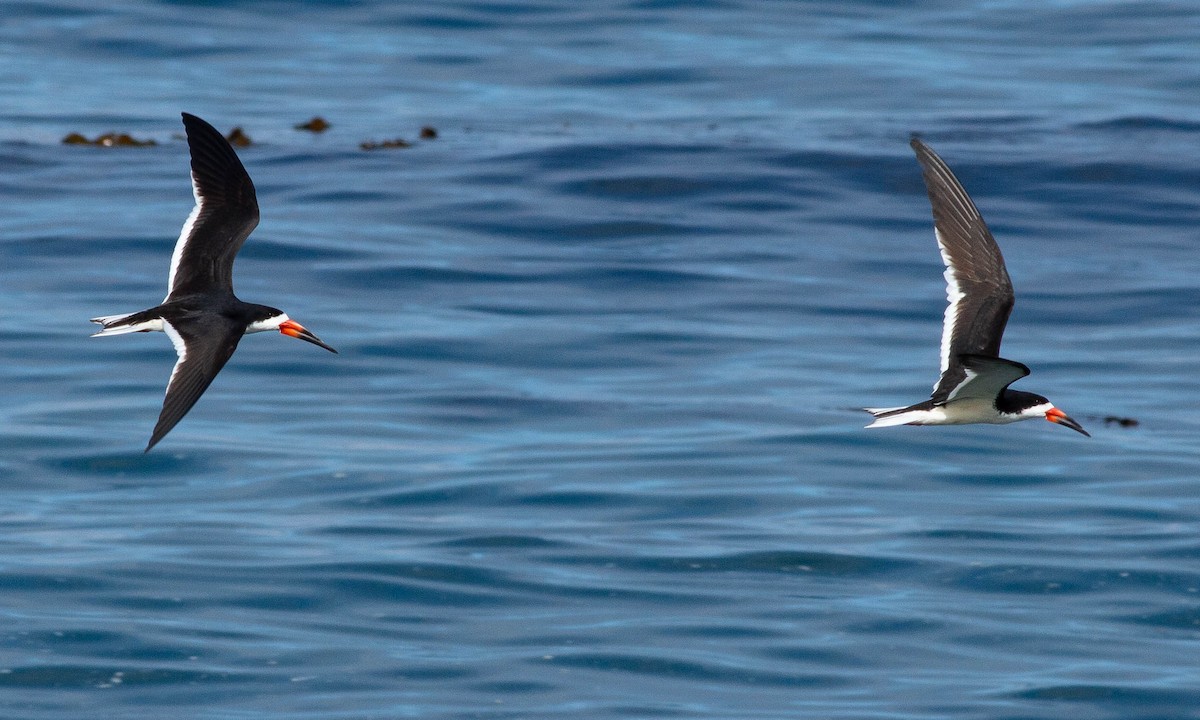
226, 212
203, 349
984, 377
978, 289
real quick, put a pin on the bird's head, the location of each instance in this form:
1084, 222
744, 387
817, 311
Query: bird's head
1028, 405
278, 320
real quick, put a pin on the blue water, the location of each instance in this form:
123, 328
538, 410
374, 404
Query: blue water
591, 446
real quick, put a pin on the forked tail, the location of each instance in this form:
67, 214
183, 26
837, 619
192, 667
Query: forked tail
919, 414
127, 323
886, 417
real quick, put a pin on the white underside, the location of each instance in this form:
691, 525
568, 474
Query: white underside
963, 412
155, 325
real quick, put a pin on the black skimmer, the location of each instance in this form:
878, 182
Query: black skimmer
201, 315
973, 387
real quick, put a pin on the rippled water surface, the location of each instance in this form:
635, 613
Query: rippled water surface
591, 447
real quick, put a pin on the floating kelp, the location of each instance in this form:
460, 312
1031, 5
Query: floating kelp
317, 125
428, 132
385, 145
238, 137
107, 140
1120, 421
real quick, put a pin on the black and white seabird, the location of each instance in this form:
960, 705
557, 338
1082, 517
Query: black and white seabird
973, 387
201, 315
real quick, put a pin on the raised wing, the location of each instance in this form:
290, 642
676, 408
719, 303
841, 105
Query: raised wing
203, 348
978, 289
226, 212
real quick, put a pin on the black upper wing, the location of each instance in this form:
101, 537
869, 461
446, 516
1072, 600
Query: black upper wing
978, 288
226, 212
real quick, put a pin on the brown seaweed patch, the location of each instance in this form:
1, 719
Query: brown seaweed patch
238, 137
107, 140
317, 125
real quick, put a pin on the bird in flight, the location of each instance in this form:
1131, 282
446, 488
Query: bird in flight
201, 315
973, 387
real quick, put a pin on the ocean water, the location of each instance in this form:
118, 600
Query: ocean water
592, 447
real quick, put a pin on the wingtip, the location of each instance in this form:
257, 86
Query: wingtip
195, 123
155, 436
917, 144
